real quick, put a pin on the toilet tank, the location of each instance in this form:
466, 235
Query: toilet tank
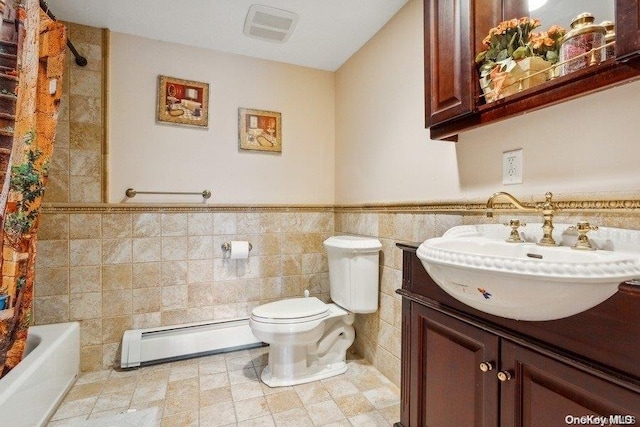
354, 272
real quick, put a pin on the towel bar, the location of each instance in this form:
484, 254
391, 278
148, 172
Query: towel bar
132, 193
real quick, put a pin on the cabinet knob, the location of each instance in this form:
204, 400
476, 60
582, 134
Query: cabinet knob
486, 366
504, 376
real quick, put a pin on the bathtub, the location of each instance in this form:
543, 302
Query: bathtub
31, 392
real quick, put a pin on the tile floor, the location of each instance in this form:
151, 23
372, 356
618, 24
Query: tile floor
225, 390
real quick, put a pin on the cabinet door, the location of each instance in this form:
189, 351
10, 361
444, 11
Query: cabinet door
448, 389
627, 28
448, 59
544, 392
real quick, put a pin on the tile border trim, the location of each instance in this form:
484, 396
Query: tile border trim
469, 208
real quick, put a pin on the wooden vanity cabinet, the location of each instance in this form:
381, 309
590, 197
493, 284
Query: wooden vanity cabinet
453, 34
451, 358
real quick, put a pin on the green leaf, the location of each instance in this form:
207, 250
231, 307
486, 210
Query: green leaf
520, 52
504, 54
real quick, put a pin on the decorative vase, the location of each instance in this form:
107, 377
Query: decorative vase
527, 73
584, 37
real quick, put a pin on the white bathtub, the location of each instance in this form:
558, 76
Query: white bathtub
31, 392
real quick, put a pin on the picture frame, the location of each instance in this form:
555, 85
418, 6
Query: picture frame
260, 130
183, 102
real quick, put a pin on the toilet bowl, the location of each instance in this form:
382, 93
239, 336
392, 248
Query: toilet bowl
309, 338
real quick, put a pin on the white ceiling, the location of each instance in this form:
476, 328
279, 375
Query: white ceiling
327, 34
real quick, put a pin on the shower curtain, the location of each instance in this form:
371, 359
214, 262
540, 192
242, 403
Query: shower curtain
29, 101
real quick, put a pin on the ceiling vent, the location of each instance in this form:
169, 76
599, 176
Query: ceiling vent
270, 24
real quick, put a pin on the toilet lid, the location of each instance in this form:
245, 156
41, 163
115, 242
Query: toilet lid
292, 310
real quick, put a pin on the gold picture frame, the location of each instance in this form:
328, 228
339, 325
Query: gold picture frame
260, 130
183, 102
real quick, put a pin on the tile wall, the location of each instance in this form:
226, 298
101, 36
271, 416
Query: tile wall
122, 270
76, 169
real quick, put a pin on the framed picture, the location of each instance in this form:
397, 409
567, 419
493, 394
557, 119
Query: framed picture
183, 102
260, 130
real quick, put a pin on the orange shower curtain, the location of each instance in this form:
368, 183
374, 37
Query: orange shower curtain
29, 100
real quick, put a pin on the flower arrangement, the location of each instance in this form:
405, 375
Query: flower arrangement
547, 43
513, 40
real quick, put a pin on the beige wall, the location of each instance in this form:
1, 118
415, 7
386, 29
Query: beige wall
585, 146
383, 154
146, 155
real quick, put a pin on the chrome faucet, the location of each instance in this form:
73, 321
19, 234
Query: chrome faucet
547, 208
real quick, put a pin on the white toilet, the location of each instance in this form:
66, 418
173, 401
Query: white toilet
309, 339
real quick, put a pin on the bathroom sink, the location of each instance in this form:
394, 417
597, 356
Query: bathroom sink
525, 281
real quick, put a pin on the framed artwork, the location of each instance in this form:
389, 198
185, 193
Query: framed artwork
260, 130
183, 102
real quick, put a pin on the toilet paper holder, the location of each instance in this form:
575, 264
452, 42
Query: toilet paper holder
226, 246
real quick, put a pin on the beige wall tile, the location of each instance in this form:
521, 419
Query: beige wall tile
174, 297
146, 300
174, 273
200, 271
85, 279
85, 136
84, 189
51, 309
174, 224
85, 252
86, 305
115, 226
145, 275
53, 253
85, 109
147, 249
91, 358
147, 225
174, 248
224, 223
117, 251
57, 190
200, 224
85, 226
116, 303
113, 328
53, 227
116, 277
90, 332
52, 281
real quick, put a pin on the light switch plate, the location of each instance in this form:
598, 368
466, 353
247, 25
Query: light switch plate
512, 167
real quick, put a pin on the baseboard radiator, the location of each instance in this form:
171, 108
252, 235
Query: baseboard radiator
141, 347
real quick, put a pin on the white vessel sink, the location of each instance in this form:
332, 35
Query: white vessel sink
525, 281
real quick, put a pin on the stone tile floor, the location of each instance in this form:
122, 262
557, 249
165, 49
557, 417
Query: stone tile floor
225, 390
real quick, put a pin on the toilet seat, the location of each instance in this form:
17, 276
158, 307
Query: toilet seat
291, 310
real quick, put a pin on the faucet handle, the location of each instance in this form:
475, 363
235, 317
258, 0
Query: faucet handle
514, 237
583, 243
548, 204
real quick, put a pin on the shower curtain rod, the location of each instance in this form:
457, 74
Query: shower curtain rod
80, 60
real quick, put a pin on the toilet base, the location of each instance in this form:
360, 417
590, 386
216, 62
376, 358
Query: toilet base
323, 372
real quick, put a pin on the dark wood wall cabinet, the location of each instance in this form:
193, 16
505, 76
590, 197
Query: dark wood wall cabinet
462, 367
453, 33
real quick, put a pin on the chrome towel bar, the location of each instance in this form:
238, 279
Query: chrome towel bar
132, 193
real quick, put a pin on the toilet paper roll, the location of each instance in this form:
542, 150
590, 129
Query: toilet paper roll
239, 249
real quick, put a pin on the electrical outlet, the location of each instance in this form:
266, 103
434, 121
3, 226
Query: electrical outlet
512, 167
